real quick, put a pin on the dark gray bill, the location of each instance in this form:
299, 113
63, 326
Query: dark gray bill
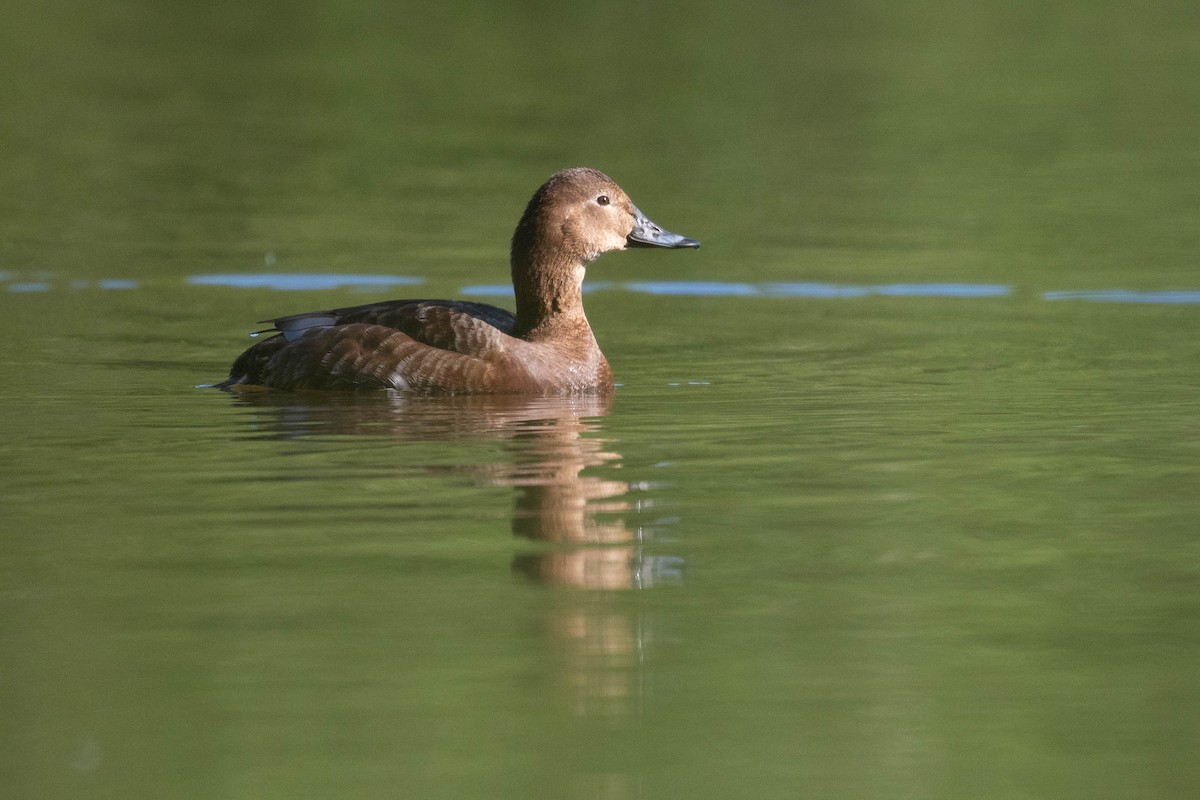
646, 234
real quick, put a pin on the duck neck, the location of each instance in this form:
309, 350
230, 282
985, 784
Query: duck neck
548, 283
548, 300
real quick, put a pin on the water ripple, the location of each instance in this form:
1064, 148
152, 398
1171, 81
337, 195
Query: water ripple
695, 288
291, 282
319, 281
1126, 296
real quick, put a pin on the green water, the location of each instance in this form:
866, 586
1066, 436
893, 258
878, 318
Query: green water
876, 512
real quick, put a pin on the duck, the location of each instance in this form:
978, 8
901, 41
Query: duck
545, 347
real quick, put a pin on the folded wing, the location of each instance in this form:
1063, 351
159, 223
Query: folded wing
430, 345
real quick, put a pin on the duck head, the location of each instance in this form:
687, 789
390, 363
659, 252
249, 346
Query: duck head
582, 213
576, 215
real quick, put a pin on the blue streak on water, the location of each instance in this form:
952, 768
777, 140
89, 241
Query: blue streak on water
45, 286
817, 290
694, 288
944, 290
489, 290
112, 283
1180, 296
291, 282
811, 290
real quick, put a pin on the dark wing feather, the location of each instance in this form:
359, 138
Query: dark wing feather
425, 345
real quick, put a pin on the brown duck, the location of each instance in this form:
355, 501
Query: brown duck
460, 347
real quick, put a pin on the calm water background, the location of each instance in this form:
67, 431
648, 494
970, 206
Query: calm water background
897, 499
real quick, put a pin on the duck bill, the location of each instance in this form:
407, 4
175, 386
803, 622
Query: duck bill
646, 234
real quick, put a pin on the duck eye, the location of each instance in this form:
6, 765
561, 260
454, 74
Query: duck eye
602, 200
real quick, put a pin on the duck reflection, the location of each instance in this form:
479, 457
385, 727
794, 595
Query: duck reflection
582, 519
549, 443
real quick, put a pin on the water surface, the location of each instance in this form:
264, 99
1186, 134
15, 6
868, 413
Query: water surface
896, 497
